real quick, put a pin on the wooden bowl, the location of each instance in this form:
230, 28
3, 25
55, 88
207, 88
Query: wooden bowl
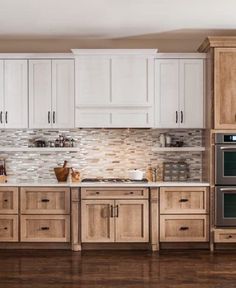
62, 173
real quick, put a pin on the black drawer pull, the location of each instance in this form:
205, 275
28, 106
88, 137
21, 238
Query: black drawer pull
45, 200
230, 236
44, 228
5, 228
183, 200
5, 200
184, 228
131, 192
97, 193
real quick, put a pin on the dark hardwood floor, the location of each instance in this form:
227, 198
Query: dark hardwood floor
57, 269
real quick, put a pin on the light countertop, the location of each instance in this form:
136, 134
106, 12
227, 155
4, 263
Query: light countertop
13, 183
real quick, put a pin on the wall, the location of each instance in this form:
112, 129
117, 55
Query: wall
101, 152
64, 45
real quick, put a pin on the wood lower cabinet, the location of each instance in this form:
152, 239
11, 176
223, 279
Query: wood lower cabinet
45, 228
184, 214
45, 200
8, 200
97, 221
184, 228
225, 236
113, 220
8, 228
45, 214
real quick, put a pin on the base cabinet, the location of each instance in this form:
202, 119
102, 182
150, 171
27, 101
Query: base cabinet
114, 220
8, 228
184, 214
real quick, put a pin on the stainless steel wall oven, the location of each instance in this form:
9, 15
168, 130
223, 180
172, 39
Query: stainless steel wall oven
225, 179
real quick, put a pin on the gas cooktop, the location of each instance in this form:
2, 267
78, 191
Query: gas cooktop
114, 180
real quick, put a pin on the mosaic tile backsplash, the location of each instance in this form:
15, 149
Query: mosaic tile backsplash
101, 152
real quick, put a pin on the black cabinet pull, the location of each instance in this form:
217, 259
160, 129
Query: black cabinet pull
183, 228
183, 200
5, 200
44, 228
54, 117
97, 193
230, 236
131, 192
6, 120
182, 116
117, 211
176, 116
5, 228
45, 200
49, 117
112, 213
1, 117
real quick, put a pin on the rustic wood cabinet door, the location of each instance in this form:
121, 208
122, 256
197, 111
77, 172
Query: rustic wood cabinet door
225, 88
131, 220
97, 221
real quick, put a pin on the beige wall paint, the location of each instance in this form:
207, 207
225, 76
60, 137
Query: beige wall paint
64, 45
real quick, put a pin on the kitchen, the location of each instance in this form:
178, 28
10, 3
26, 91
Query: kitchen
115, 151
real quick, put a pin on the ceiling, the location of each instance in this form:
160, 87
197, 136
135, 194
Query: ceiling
111, 19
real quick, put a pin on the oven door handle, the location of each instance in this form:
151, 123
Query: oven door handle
227, 189
228, 147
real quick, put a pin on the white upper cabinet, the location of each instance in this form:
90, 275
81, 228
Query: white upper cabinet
40, 91
93, 81
13, 94
114, 88
179, 93
63, 100
51, 93
131, 80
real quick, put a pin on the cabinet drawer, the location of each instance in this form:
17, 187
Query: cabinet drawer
184, 200
8, 200
8, 228
225, 236
114, 193
182, 228
45, 200
45, 228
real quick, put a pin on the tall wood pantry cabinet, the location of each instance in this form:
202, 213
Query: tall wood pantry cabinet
179, 91
13, 93
221, 76
51, 93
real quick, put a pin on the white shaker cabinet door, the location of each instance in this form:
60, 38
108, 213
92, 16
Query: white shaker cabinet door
16, 93
40, 93
92, 77
167, 93
2, 123
132, 81
191, 93
63, 93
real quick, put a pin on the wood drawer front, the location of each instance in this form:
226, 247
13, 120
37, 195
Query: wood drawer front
225, 236
45, 228
8, 228
184, 228
45, 200
184, 200
114, 193
8, 200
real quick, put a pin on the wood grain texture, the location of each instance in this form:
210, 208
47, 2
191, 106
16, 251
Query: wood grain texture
8, 200
154, 218
8, 228
225, 87
129, 269
184, 200
75, 219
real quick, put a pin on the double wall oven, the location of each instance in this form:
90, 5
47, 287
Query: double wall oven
225, 179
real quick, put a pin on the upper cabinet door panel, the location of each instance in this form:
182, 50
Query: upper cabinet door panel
225, 88
1, 94
167, 93
40, 93
63, 93
191, 93
16, 93
93, 81
130, 81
